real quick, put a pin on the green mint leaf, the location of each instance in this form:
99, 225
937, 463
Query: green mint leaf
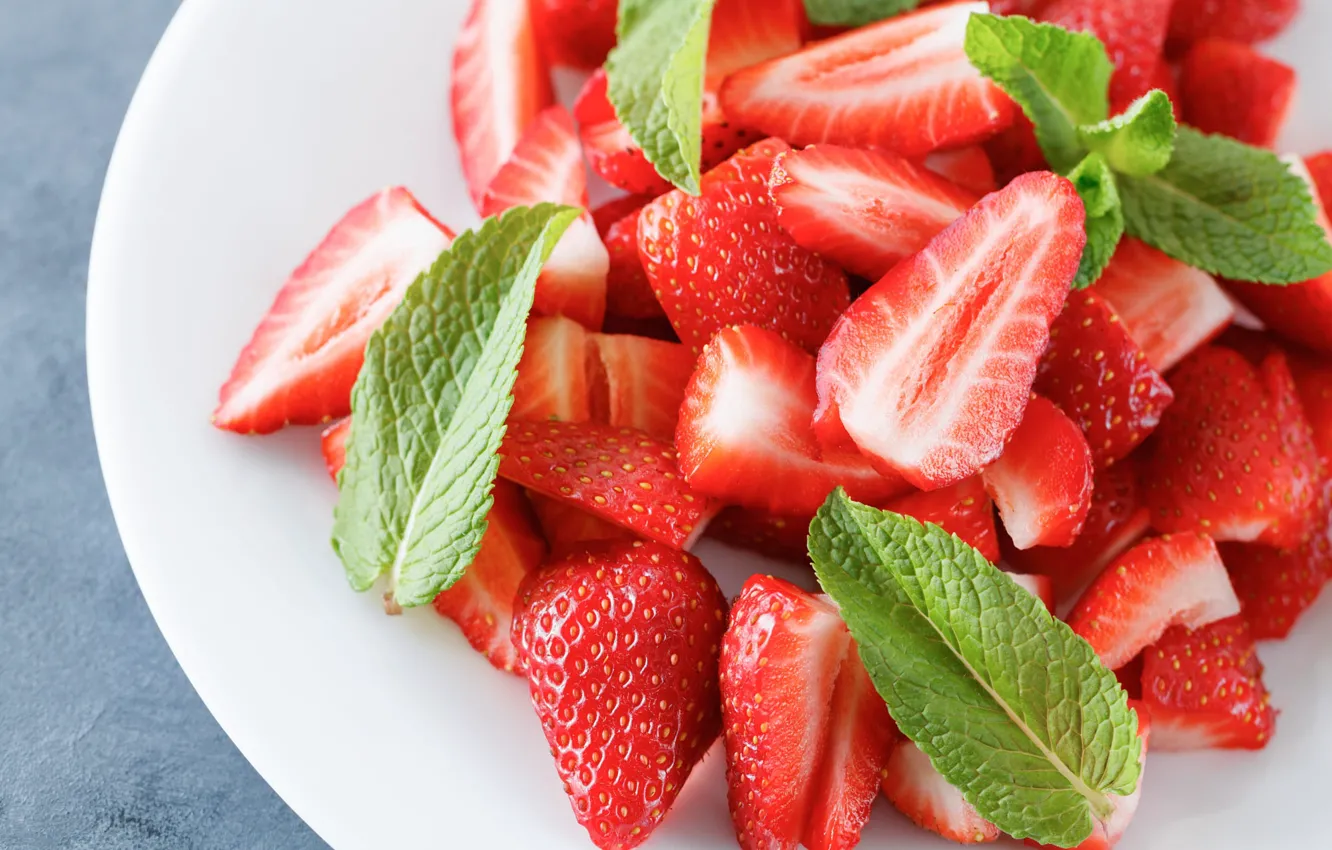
429, 406
1059, 78
1229, 209
1095, 182
655, 81
855, 13
1138, 142
1010, 705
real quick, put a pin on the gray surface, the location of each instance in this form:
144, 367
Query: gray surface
103, 743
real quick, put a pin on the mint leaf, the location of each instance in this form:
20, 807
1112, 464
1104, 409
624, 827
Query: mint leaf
1230, 209
429, 409
1141, 140
655, 81
1059, 78
1096, 185
855, 13
1011, 706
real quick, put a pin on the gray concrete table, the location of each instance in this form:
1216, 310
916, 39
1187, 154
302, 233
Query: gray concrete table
103, 743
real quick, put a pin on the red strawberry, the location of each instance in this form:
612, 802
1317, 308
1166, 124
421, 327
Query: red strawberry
968, 167
1042, 587
963, 509
1230, 88
866, 210
1029, 8
1169, 308
617, 208
773, 535
1042, 483
1205, 689
481, 602
639, 382
1320, 171
1134, 34
620, 643
617, 474
929, 371
806, 733
1234, 456
552, 374
567, 527
333, 443
500, 84
1015, 151
1240, 20
744, 33
721, 259
745, 435
904, 84
1175, 580
1163, 78
1313, 379
575, 33
919, 791
299, 367
628, 292
1095, 373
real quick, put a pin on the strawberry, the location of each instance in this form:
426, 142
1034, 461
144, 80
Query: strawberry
1175, 580
628, 292
1248, 21
929, 371
963, 509
481, 602
1231, 89
500, 84
1042, 587
552, 374
1320, 171
620, 643
745, 437
772, 535
567, 528
806, 734
919, 791
968, 167
333, 443
1205, 689
617, 474
1313, 379
1095, 373
299, 367
867, 210
1163, 78
1234, 456
903, 84
1042, 483
639, 382
744, 33
575, 33
1134, 34
721, 259
1015, 151
1029, 8
1169, 308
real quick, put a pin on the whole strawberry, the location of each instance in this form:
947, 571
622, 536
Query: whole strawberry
620, 642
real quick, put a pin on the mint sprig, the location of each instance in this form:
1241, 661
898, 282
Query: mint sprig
855, 13
429, 408
1011, 706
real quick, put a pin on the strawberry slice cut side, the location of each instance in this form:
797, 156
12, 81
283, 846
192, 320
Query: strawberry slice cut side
333, 445
576, 33
1133, 32
964, 510
638, 382
968, 167
1233, 90
552, 374
919, 791
628, 292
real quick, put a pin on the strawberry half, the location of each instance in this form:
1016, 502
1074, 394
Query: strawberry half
1015, 151
1320, 171
867, 210
968, 167
1231, 89
481, 602
1042, 483
1134, 34
964, 510
904, 84
639, 382
333, 444
301, 363
552, 374
1248, 21
567, 527
806, 733
620, 475
929, 372
620, 643
628, 291
745, 437
1042, 587
722, 259
772, 535
575, 33
1205, 689
919, 791
1175, 580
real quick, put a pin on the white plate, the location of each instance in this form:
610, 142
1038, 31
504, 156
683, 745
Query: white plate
256, 125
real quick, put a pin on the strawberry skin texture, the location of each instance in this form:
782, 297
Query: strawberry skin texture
1097, 375
1233, 90
567, 528
903, 84
915, 372
552, 374
301, 363
628, 291
784, 538
618, 474
620, 643
722, 259
1174, 580
333, 444
1205, 689
638, 382
964, 510
867, 210
1134, 34
968, 167
575, 33
1248, 21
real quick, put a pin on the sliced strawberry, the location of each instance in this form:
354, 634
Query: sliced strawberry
620, 643
481, 602
963, 509
299, 367
745, 435
1239, 20
575, 33
1205, 689
1320, 171
628, 291
1230, 88
500, 84
658, 328
620, 475
552, 374
968, 167
1134, 34
866, 210
333, 443
806, 733
1016, 151
721, 259
919, 791
1098, 376
929, 371
1029, 8
639, 382
1313, 379
1175, 580
773, 535
1042, 587
611, 151
1234, 456
1169, 308
744, 33
904, 84
567, 527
